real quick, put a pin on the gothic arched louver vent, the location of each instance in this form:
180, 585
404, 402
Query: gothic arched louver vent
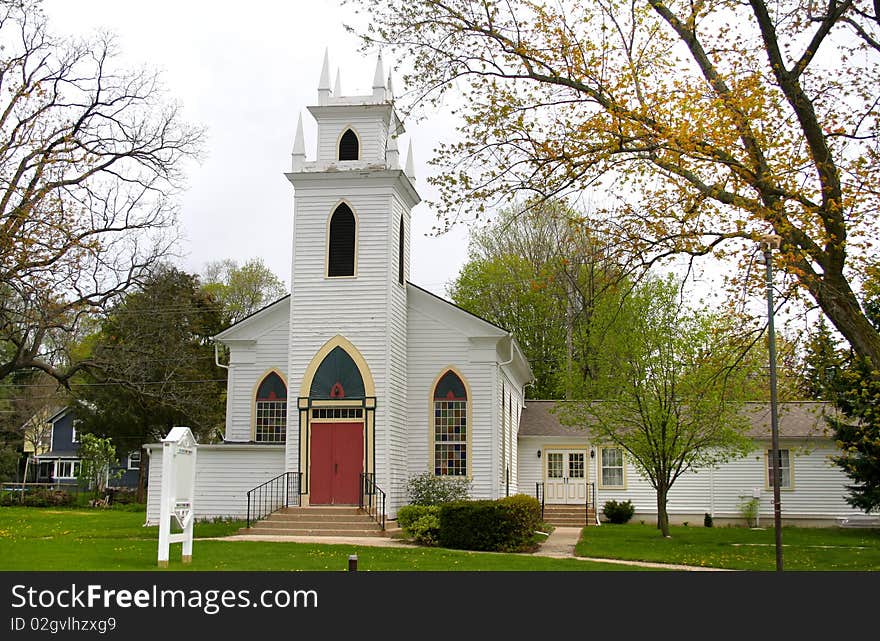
349, 148
450, 387
337, 377
340, 252
272, 389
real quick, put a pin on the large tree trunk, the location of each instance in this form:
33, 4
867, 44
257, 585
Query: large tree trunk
842, 308
662, 516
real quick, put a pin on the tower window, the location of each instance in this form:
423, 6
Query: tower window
400, 241
349, 147
341, 244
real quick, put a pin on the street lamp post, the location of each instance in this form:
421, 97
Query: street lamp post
768, 244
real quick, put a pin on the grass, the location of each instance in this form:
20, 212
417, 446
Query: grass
74, 539
736, 548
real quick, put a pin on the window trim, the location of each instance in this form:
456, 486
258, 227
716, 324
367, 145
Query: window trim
74, 468
128, 463
352, 129
468, 415
782, 488
600, 467
254, 391
357, 226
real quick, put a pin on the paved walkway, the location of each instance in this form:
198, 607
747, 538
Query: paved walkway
559, 545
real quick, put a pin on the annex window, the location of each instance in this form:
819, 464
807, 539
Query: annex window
134, 460
271, 410
450, 426
784, 469
400, 241
612, 467
341, 242
349, 147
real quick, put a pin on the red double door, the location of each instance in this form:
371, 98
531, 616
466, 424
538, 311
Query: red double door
337, 463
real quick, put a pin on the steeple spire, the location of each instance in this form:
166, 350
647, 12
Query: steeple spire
324, 82
299, 147
337, 88
379, 80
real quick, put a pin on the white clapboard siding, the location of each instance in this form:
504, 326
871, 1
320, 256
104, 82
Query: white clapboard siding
248, 366
433, 347
819, 486
368, 123
224, 475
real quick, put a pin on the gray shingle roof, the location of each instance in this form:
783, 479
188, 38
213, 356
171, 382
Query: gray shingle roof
801, 419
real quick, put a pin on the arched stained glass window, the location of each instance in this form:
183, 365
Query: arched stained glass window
341, 243
349, 147
450, 426
271, 410
337, 377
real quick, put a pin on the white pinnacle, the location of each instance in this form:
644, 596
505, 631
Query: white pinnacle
324, 82
299, 146
379, 79
337, 89
409, 171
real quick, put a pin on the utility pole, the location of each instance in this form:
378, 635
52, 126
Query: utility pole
768, 244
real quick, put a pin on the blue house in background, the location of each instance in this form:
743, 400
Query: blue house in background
61, 463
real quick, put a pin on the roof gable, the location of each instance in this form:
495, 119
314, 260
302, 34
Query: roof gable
253, 326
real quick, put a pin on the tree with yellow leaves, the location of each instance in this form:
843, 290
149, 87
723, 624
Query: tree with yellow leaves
706, 123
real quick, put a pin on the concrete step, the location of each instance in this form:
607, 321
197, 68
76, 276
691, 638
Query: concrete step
261, 530
322, 509
318, 525
324, 518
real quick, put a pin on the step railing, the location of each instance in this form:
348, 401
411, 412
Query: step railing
372, 499
274, 494
539, 494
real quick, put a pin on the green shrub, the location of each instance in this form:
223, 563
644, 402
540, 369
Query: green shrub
420, 522
427, 489
707, 520
618, 512
505, 525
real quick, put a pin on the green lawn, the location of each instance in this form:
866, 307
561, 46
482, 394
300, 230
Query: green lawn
78, 539
736, 548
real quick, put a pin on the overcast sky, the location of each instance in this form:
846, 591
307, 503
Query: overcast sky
245, 71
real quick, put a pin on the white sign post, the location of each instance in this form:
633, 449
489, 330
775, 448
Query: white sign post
178, 490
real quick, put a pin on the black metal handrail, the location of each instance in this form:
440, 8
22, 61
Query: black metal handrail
539, 494
371, 499
591, 500
274, 494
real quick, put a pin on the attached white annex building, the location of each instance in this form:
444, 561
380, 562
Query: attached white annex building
359, 380
359, 376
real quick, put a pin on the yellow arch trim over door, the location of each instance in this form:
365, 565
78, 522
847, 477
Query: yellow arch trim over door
321, 354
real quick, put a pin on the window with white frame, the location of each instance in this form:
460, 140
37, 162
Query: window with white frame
784, 468
612, 467
134, 460
74, 435
66, 469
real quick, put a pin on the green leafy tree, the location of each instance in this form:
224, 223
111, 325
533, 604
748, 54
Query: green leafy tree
97, 458
538, 273
241, 291
152, 365
703, 125
673, 390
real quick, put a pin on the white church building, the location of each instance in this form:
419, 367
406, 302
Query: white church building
359, 380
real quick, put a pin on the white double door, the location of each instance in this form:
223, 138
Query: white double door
565, 476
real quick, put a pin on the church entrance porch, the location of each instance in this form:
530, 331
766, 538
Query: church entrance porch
337, 453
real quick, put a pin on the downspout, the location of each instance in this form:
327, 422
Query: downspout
217, 357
